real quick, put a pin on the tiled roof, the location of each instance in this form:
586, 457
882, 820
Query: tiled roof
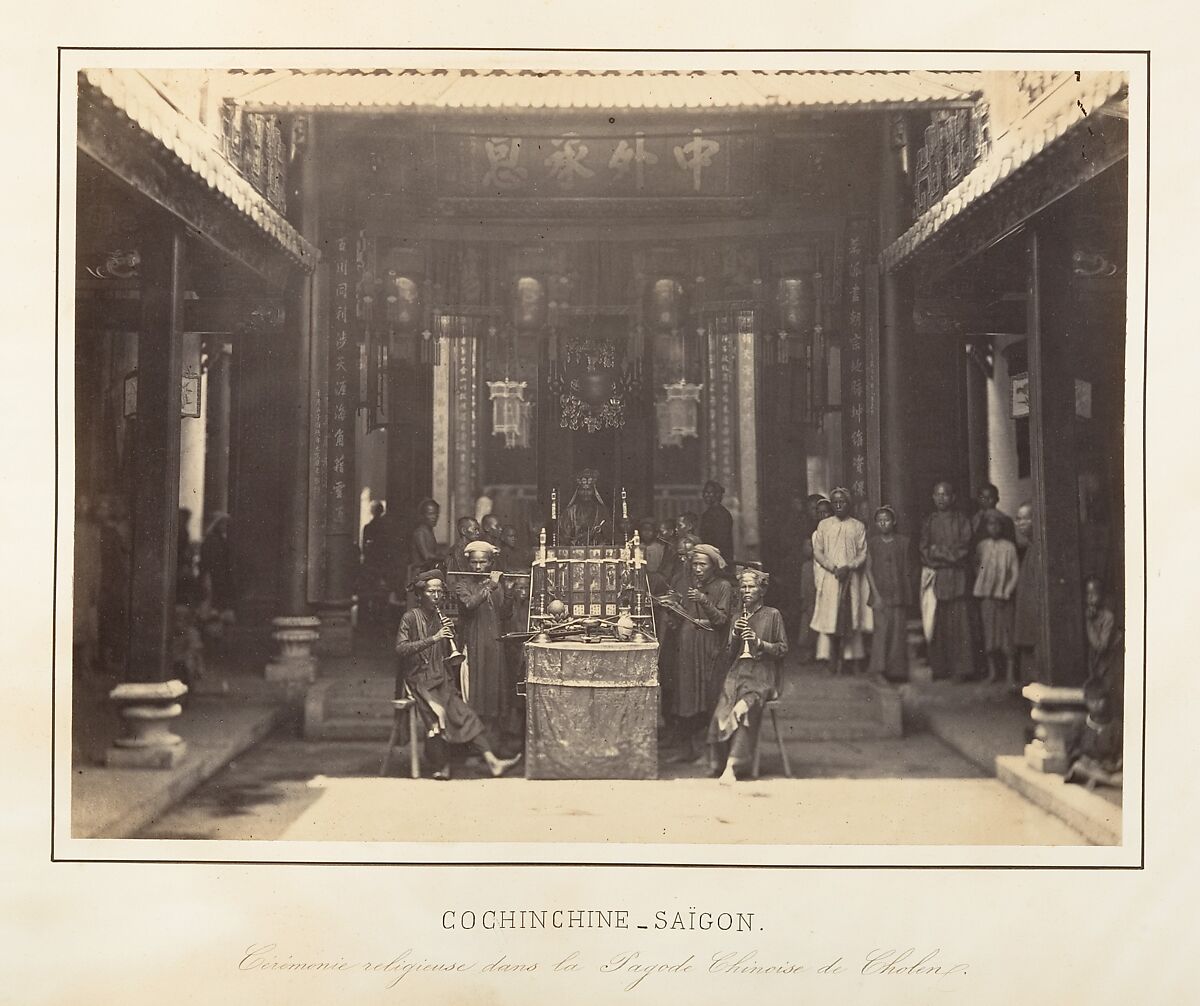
1069, 107
373, 91
196, 149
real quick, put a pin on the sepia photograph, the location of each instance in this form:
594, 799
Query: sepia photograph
548, 456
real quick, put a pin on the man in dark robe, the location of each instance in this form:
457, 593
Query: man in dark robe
422, 644
490, 529
945, 556
892, 575
468, 531
700, 647
483, 606
716, 523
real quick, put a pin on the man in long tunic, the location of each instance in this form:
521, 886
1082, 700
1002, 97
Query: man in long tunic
891, 573
945, 555
468, 531
422, 644
750, 681
483, 607
699, 671
841, 614
674, 586
716, 523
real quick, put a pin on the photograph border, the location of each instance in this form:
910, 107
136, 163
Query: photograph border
56, 856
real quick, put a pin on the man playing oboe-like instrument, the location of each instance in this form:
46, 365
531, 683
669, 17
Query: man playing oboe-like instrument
422, 644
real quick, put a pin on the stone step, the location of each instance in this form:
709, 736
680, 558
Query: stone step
1097, 819
813, 708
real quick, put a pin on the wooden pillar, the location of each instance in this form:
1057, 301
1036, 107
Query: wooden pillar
156, 461
294, 430
895, 308
216, 461
1061, 654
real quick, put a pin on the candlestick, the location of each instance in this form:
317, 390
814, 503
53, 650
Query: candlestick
624, 505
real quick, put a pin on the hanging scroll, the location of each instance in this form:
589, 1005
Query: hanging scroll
854, 360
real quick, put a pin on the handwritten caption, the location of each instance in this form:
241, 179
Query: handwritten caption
628, 970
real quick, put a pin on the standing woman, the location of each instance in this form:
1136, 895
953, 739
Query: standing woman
700, 649
892, 575
749, 684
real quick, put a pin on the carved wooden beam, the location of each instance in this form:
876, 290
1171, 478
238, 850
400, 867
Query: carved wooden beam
138, 159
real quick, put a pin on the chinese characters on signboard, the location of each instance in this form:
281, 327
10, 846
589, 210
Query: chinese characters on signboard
854, 362
343, 366
695, 163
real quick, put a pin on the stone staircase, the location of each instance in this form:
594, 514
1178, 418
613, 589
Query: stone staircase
814, 707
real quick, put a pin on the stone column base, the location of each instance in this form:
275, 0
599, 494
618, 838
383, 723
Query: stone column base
295, 636
1059, 713
146, 710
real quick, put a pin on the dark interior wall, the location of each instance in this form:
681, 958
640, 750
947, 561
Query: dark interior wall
933, 396
256, 474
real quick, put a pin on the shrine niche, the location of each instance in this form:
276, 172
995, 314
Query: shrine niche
591, 387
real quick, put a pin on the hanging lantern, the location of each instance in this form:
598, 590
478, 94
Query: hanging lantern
529, 312
678, 413
666, 305
795, 304
403, 303
510, 412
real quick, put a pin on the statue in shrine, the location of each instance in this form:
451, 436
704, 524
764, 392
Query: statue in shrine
584, 517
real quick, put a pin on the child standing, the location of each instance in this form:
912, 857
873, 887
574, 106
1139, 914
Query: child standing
891, 573
996, 560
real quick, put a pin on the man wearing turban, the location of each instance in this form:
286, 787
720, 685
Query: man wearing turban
483, 605
751, 680
422, 645
699, 648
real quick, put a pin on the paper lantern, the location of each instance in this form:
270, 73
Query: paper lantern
796, 299
529, 313
678, 413
510, 412
403, 303
666, 305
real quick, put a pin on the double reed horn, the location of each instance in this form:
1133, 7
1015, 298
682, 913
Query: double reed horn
456, 656
745, 654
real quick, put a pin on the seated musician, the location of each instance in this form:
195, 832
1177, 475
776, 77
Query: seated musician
751, 680
422, 646
484, 605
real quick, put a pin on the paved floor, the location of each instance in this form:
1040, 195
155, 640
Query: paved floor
911, 791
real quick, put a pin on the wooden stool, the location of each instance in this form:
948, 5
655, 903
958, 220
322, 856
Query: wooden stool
771, 707
400, 707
